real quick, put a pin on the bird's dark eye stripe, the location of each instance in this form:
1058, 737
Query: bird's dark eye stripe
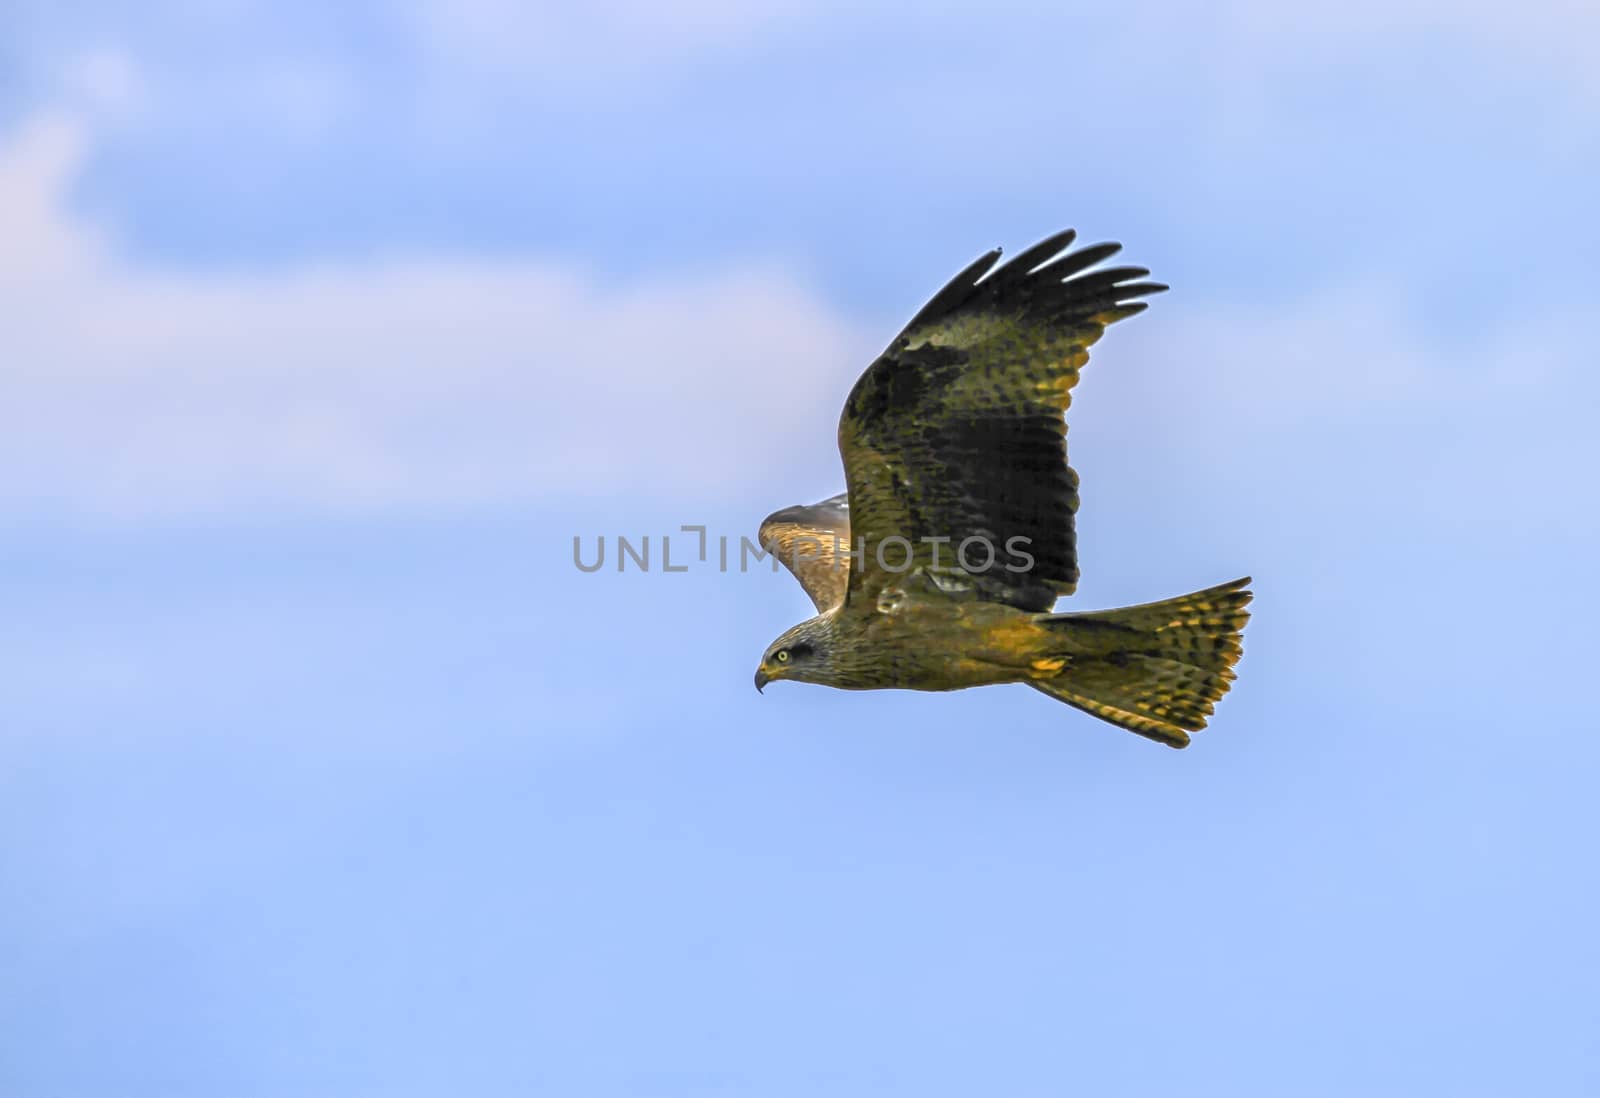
801, 650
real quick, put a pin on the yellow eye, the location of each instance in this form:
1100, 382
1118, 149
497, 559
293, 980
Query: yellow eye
781, 655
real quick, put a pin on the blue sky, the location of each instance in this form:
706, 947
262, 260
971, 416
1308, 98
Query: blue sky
324, 772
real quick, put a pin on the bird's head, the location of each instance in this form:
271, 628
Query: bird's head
801, 653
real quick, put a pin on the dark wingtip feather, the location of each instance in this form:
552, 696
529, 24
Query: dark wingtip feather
957, 290
1139, 289
1108, 276
1046, 278
1081, 260
1033, 259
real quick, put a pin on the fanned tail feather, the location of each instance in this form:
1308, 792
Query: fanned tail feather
1158, 669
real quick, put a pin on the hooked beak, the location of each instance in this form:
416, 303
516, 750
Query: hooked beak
762, 678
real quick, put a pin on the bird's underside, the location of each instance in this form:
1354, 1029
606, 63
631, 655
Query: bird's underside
938, 567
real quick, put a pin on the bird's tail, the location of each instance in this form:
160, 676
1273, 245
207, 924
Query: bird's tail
1156, 669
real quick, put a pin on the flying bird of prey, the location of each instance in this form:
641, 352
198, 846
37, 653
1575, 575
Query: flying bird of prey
960, 502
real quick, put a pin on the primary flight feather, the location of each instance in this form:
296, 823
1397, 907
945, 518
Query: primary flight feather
938, 567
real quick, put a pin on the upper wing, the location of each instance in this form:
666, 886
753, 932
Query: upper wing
957, 430
812, 542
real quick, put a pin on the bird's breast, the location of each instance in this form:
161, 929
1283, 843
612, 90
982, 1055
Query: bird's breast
937, 644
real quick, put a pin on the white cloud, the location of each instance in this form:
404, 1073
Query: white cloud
1556, 31
408, 384
595, 41
400, 383
1247, 40
106, 82
42, 247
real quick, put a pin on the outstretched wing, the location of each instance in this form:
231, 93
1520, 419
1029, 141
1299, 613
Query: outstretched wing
957, 431
812, 542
